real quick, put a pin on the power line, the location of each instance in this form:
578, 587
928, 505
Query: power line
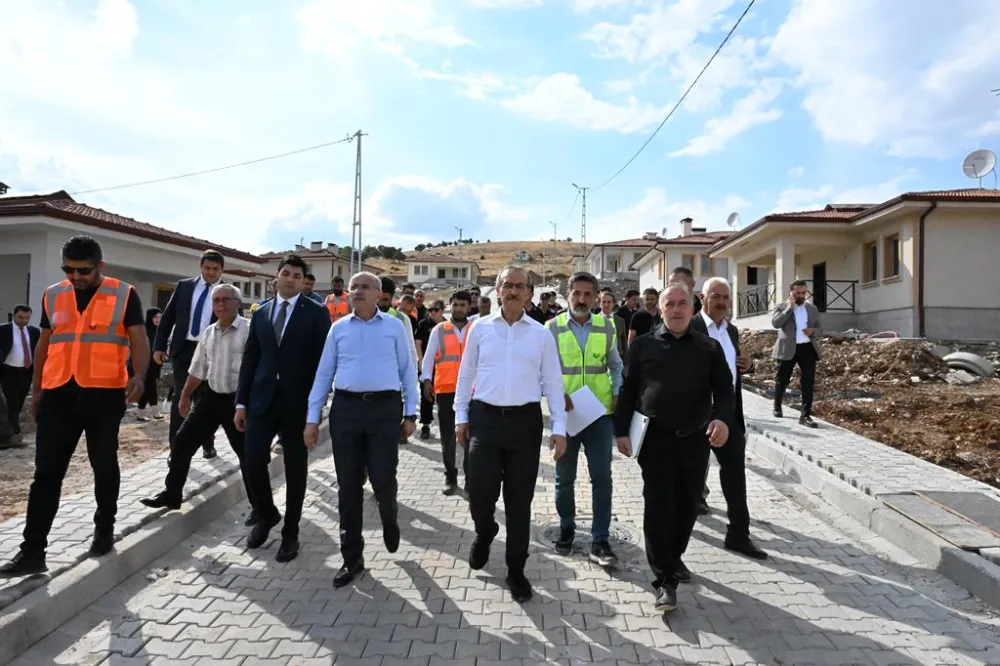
572, 208
217, 169
683, 97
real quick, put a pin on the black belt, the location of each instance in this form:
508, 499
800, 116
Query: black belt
367, 396
515, 410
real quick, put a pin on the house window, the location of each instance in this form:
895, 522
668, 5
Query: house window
256, 289
659, 268
891, 256
340, 271
465, 272
687, 261
869, 267
706, 266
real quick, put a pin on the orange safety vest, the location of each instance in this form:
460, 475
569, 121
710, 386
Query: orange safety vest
338, 306
448, 358
90, 347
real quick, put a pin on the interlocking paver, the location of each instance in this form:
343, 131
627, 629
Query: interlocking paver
832, 593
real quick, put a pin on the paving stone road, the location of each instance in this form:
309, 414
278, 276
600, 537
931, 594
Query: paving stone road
833, 593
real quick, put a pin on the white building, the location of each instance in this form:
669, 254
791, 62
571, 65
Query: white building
689, 250
421, 268
152, 259
610, 260
324, 261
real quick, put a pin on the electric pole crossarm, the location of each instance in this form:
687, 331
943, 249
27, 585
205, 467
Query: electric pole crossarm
356, 240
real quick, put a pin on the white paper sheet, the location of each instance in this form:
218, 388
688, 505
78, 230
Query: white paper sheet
586, 409
637, 432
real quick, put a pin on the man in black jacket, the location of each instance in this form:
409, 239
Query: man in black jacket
686, 417
18, 340
284, 346
732, 468
188, 313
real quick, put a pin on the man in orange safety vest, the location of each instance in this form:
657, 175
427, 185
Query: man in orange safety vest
338, 303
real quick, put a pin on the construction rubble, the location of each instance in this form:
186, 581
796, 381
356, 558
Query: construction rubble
938, 401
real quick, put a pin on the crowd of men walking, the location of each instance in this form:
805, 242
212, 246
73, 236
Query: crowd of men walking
483, 363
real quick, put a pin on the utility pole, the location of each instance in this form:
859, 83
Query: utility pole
583, 218
461, 251
555, 231
356, 242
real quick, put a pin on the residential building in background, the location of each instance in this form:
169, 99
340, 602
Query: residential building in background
440, 269
689, 250
324, 260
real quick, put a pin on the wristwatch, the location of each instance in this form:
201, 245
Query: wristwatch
412, 418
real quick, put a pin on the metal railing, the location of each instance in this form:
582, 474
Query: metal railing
756, 300
838, 296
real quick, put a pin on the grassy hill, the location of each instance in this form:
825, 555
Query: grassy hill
491, 257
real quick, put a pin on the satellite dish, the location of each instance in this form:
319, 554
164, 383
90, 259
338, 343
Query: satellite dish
663, 233
979, 163
733, 220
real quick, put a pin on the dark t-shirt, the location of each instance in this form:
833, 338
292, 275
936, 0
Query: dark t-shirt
643, 322
423, 332
537, 314
625, 314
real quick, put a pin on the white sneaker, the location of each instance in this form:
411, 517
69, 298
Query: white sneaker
140, 414
157, 414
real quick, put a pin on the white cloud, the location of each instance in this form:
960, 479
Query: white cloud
505, 4
748, 112
793, 199
796, 171
914, 84
656, 211
587, 6
335, 27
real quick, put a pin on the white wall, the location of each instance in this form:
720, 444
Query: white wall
961, 253
14, 272
432, 272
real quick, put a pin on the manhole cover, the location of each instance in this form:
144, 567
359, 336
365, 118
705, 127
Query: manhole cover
622, 537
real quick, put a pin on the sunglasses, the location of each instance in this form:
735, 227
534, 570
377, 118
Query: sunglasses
435, 309
69, 270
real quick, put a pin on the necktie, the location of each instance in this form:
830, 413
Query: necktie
26, 348
279, 321
199, 307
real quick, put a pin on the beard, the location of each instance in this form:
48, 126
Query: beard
580, 310
800, 301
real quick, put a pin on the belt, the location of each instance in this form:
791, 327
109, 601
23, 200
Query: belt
367, 396
514, 410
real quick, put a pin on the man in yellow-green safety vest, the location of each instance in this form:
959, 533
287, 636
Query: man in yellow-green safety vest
589, 357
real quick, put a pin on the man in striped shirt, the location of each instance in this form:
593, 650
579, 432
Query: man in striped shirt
216, 362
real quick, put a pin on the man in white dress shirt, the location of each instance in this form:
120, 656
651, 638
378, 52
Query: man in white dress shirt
511, 360
798, 325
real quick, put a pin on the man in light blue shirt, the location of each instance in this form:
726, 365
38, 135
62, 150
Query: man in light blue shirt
369, 357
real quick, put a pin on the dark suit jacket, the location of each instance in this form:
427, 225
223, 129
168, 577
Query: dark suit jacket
7, 340
177, 315
698, 324
296, 358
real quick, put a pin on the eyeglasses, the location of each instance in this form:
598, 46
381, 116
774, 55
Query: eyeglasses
223, 299
86, 270
513, 285
434, 309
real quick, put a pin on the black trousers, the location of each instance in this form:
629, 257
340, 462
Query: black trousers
63, 415
805, 358
210, 412
365, 434
446, 419
287, 421
180, 364
15, 383
149, 398
673, 475
504, 451
733, 478
426, 410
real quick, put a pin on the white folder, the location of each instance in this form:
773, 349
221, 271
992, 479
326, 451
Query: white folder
637, 432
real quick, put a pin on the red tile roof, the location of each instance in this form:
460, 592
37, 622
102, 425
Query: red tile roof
707, 238
629, 242
437, 259
848, 213
61, 205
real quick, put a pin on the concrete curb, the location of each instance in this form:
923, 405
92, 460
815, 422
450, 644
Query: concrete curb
54, 601
976, 574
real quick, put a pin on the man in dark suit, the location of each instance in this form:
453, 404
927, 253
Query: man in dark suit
188, 313
17, 360
285, 344
732, 467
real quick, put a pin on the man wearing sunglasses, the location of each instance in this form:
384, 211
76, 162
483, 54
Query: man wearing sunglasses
80, 386
434, 315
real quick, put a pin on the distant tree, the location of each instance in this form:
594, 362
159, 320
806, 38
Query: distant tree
569, 240
482, 256
420, 248
345, 252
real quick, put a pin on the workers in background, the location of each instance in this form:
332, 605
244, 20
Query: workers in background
588, 356
629, 306
18, 341
435, 315
607, 308
307, 288
80, 386
338, 303
419, 297
408, 307
439, 372
385, 305
475, 294
647, 319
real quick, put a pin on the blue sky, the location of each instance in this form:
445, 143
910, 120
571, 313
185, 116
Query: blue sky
480, 113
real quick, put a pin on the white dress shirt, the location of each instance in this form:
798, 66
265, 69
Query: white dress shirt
206, 309
433, 343
721, 335
511, 365
219, 354
801, 323
15, 358
278, 300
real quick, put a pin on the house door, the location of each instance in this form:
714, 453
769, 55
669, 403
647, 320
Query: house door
819, 286
442, 274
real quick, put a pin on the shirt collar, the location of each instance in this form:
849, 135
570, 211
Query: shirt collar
709, 323
662, 332
278, 300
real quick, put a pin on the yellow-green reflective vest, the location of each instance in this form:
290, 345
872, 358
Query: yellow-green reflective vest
585, 367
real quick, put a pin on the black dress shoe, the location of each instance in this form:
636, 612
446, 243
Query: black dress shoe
704, 509
348, 573
519, 586
251, 519
745, 546
425, 433
24, 564
666, 598
564, 544
161, 501
450, 487
209, 452
479, 554
260, 531
807, 421
683, 573
777, 412
288, 550
104, 541
390, 536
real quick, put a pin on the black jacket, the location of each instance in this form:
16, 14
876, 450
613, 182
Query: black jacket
177, 315
7, 340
